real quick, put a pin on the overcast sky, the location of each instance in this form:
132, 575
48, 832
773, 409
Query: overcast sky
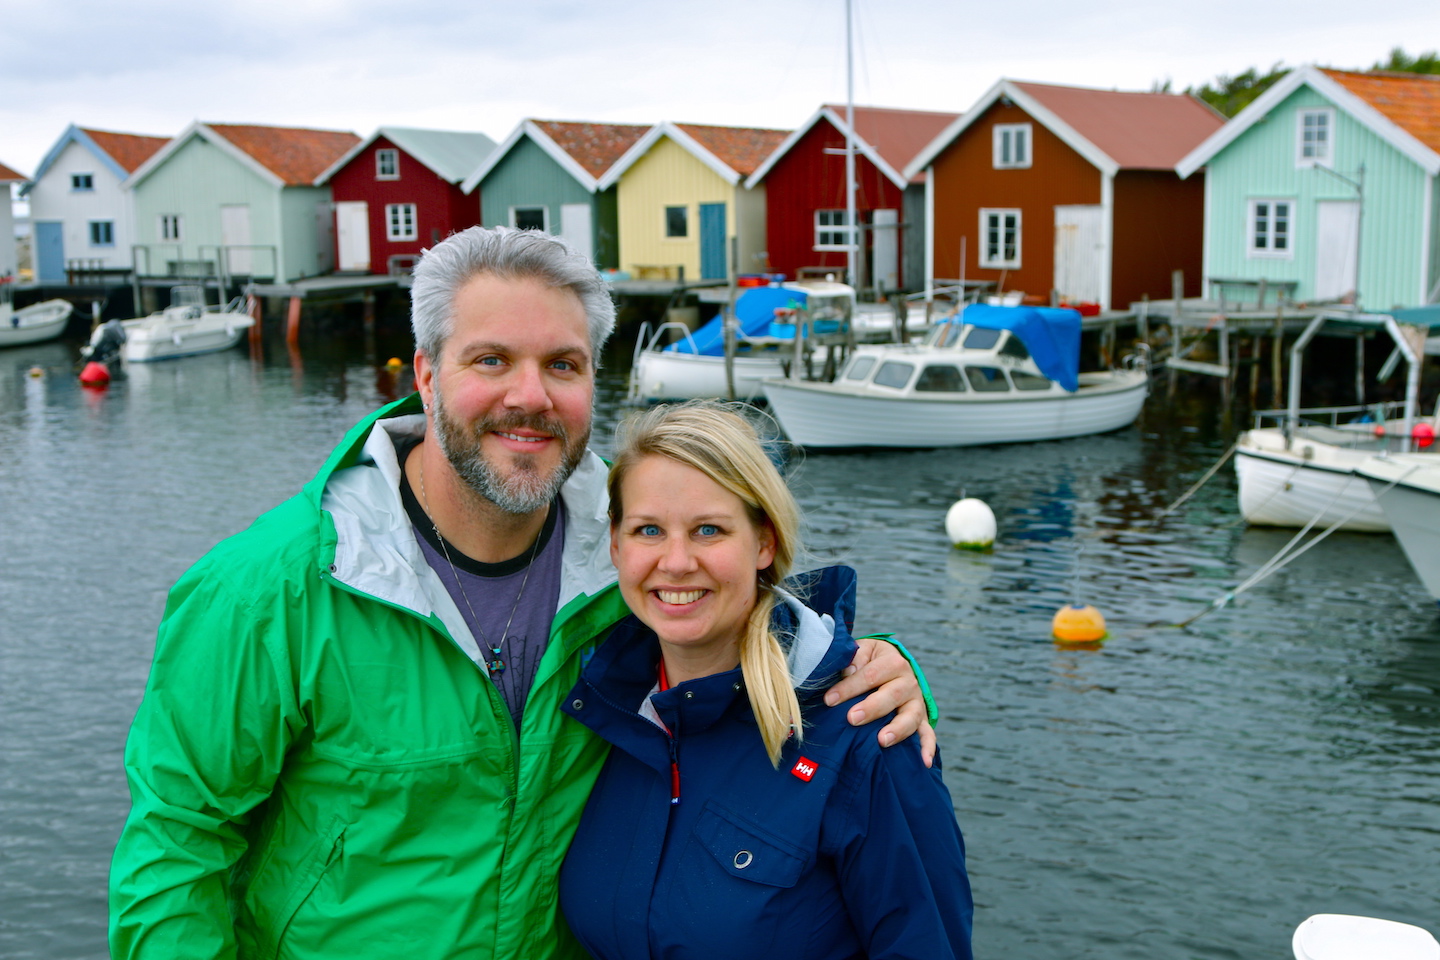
152, 66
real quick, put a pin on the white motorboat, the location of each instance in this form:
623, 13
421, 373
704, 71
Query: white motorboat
990, 375
33, 324
693, 366
1296, 467
187, 327
1407, 488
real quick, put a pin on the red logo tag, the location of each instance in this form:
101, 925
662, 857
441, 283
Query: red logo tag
804, 769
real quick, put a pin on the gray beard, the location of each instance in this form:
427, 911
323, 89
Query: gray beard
527, 489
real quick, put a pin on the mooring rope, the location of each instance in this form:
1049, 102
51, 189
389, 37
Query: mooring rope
1199, 483
1276, 562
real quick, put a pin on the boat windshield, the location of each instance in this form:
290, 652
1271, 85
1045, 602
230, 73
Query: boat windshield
860, 368
829, 308
946, 333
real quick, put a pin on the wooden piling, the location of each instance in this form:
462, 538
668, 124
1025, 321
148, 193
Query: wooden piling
292, 323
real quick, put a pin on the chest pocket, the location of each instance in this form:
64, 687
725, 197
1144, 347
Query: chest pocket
748, 852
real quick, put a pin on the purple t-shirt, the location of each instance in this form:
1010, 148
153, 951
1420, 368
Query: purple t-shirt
487, 593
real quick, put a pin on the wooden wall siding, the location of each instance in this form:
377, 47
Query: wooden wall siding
966, 181
607, 229
195, 182
1159, 226
528, 177
752, 213
668, 175
807, 179
1432, 273
307, 225
1261, 164
440, 208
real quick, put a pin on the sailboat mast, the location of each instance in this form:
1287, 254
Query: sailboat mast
852, 263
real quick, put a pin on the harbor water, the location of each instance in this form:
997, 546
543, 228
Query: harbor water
1170, 793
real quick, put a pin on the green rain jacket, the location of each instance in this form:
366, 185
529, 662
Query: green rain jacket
319, 768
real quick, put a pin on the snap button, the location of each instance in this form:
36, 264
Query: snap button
577, 704
689, 694
743, 859
736, 687
333, 568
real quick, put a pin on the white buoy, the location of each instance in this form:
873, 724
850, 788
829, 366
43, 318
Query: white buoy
970, 524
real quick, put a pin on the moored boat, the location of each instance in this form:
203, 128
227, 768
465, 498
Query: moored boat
187, 327
33, 324
990, 375
1407, 488
694, 365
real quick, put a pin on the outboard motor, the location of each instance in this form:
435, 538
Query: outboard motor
103, 353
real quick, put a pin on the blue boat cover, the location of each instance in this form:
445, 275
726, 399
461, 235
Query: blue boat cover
755, 309
1051, 334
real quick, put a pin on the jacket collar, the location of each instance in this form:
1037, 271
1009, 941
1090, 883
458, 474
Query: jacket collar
374, 550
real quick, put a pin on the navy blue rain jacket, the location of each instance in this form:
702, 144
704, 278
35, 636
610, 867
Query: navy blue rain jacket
846, 850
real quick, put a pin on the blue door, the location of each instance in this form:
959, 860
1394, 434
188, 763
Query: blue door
50, 251
712, 241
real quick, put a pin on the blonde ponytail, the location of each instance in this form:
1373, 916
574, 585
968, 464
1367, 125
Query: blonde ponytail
767, 680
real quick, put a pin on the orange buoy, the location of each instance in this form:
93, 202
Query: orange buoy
95, 374
394, 364
1078, 623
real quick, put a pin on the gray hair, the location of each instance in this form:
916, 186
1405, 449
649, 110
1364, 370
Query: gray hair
509, 255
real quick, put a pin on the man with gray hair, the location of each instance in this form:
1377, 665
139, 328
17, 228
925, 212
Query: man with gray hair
350, 742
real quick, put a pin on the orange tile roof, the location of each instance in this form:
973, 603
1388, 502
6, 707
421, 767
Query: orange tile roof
1139, 131
127, 149
7, 175
294, 154
595, 146
742, 149
897, 135
1410, 100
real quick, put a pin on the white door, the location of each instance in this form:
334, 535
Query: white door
1337, 244
235, 233
575, 227
352, 234
1079, 252
885, 249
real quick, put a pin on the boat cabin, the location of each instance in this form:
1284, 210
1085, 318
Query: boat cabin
955, 358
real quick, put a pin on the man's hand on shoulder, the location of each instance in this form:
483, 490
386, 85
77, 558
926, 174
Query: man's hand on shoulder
887, 675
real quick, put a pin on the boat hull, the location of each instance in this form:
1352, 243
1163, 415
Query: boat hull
661, 375
827, 415
1413, 510
147, 340
35, 323
1284, 488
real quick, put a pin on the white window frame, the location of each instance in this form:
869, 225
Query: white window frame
1004, 134
170, 227
1252, 216
838, 228
77, 187
544, 214
109, 226
397, 229
999, 262
1323, 158
392, 157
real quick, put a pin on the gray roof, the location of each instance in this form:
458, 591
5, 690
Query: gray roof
450, 154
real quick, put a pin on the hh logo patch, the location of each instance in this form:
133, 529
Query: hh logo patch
804, 769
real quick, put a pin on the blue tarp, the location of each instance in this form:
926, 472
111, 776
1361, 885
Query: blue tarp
1051, 334
755, 309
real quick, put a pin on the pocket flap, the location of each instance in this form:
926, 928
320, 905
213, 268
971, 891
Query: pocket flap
748, 852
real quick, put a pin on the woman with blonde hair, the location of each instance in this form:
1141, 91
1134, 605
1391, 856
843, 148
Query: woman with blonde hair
737, 815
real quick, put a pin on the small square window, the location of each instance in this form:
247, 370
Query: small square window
1314, 137
1011, 146
81, 182
1271, 229
102, 233
530, 218
171, 228
387, 164
400, 221
1000, 239
677, 222
831, 230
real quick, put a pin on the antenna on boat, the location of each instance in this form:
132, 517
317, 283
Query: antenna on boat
852, 263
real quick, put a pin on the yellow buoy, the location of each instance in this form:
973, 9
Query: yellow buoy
1078, 623
970, 524
36, 372
394, 363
